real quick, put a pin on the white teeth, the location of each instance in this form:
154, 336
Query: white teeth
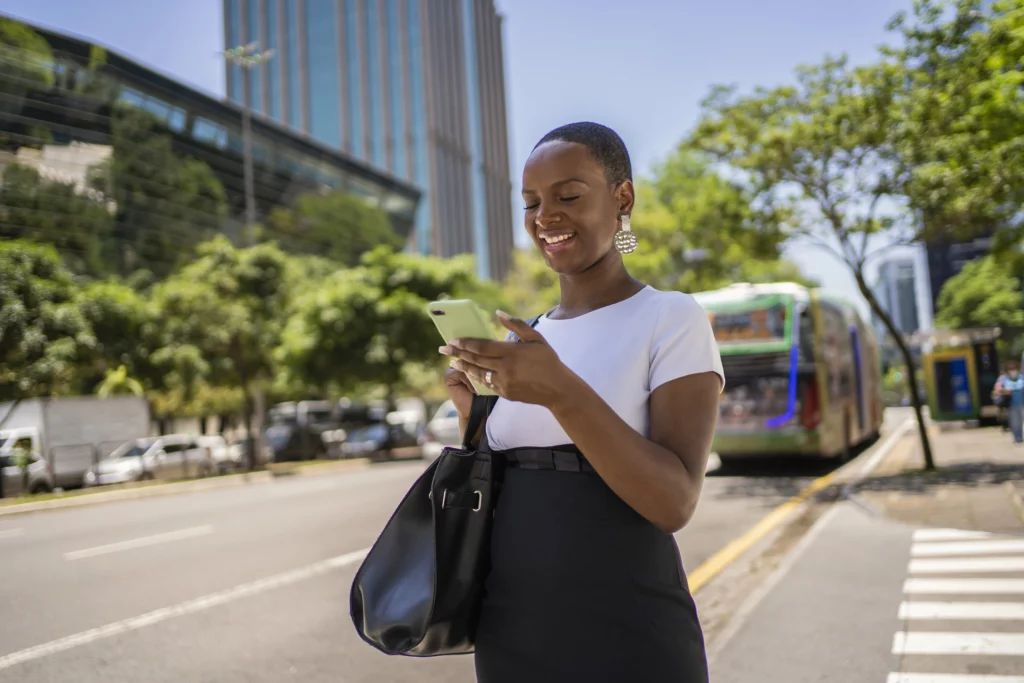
557, 238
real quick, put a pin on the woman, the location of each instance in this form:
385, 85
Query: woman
1010, 386
607, 411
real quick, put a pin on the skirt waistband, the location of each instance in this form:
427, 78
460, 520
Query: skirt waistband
561, 460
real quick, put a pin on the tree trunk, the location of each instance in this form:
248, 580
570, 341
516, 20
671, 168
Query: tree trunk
915, 395
250, 444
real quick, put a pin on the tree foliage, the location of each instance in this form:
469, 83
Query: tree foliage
43, 335
986, 293
337, 226
362, 326
51, 212
166, 204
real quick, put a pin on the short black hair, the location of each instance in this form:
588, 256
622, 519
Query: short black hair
603, 142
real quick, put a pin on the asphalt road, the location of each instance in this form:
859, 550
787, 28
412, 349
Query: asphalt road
249, 584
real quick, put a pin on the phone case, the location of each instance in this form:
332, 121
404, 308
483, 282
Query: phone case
461, 319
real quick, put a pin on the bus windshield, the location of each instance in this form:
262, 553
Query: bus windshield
765, 324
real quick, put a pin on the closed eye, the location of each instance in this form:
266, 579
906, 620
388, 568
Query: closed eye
570, 199
532, 206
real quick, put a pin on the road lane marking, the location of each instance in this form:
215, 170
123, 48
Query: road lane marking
190, 607
949, 535
993, 547
143, 542
952, 678
714, 565
962, 610
967, 565
964, 586
11, 533
924, 643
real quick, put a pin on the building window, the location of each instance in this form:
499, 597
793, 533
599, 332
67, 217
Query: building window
421, 171
324, 77
176, 120
291, 23
252, 15
376, 78
132, 97
234, 20
273, 74
397, 133
355, 86
205, 130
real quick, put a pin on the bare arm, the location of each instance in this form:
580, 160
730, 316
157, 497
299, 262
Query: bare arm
660, 477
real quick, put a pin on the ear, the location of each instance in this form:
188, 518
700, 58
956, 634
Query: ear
625, 196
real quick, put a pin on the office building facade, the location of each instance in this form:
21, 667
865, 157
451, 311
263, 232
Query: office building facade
413, 87
902, 291
61, 126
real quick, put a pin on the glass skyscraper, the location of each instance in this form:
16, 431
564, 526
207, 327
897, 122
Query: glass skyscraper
415, 88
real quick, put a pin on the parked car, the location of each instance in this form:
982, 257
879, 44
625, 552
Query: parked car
176, 456
226, 457
382, 440
444, 428
40, 476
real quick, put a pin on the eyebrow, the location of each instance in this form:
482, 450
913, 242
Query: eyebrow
558, 184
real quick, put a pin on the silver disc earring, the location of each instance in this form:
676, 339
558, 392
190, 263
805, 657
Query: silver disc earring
625, 238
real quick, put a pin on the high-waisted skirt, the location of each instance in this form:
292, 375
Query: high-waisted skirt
581, 587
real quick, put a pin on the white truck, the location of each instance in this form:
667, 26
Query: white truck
72, 434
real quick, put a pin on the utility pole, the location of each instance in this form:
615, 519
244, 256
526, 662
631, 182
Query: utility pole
248, 57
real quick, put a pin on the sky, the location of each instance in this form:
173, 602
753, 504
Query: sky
641, 67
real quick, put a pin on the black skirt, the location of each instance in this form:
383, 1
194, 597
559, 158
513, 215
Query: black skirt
582, 588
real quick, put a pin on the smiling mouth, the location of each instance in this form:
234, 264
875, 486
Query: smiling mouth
553, 241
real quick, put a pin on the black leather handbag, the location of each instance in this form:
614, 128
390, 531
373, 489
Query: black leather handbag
418, 592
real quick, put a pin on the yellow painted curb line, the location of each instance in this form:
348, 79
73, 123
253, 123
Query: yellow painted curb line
714, 565
727, 555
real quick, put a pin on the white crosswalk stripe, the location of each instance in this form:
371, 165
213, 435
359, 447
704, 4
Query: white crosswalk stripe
969, 578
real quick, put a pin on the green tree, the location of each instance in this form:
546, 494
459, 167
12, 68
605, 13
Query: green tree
56, 213
26, 65
364, 325
959, 123
336, 225
42, 333
986, 293
229, 307
822, 150
126, 332
699, 231
167, 204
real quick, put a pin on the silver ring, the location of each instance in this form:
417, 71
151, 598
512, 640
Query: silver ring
487, 377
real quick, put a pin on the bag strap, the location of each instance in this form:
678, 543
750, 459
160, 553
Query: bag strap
482, 405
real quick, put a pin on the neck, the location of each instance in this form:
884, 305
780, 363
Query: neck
605, 283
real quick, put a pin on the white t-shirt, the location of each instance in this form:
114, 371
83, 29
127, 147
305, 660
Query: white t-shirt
624, 352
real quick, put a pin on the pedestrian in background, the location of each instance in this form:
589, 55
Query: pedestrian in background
605, 419
1011, 387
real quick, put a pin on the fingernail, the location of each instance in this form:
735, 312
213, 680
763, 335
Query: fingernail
503, 314
446, 350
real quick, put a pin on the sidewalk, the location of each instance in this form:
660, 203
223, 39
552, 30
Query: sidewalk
977, 485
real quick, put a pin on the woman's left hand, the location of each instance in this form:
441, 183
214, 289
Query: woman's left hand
527, 371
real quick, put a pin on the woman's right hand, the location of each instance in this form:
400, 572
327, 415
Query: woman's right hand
461, 392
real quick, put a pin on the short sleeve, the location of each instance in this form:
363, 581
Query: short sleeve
683, 343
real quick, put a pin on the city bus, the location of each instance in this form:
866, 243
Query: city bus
803, 372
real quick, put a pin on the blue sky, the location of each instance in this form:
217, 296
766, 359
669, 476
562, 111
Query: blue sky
641, 66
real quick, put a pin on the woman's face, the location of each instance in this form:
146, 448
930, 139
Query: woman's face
572, 212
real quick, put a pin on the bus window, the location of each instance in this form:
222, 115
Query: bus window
806, 336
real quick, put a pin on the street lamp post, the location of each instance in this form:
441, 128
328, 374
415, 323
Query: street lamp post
248, 57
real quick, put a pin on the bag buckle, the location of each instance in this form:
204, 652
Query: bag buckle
477, 506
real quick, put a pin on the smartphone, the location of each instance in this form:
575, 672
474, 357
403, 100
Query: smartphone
462, 319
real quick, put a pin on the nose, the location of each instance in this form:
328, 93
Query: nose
545, 218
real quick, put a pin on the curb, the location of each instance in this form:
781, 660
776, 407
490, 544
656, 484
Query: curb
788, 510
175, 488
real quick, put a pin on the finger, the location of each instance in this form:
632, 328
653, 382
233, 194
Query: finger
521, 329
483, 347
473, 372
489, 362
